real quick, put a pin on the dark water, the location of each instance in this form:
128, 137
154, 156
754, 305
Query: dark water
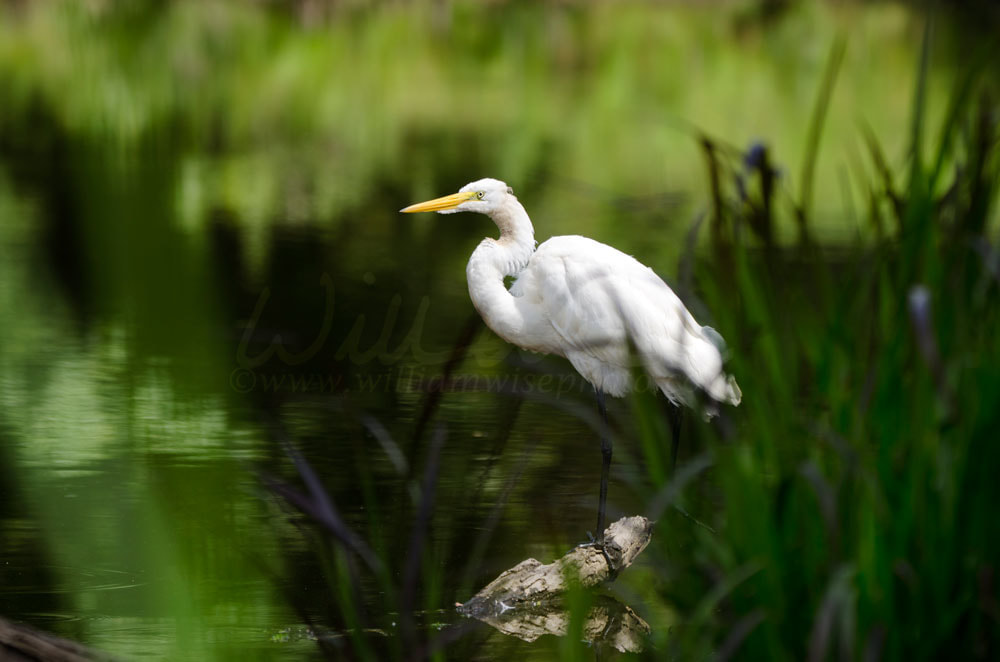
148, 382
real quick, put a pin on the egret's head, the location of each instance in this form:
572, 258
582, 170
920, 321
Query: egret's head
483, 196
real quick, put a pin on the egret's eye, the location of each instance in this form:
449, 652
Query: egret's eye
510, 191
480, 195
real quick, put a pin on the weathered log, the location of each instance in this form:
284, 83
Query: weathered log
20, 643
530, 584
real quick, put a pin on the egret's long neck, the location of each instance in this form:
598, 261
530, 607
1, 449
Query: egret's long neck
496, 258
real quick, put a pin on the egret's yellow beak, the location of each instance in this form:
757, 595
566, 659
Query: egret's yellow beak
440, 204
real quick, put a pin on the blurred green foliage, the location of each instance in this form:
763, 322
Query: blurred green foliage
294, 115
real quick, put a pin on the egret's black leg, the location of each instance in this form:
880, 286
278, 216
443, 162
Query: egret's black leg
675, 416
606, 465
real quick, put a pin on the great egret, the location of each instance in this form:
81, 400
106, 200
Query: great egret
589, 302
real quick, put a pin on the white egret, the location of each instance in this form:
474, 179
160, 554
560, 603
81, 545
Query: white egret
589, 302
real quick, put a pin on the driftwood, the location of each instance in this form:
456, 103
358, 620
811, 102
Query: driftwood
524, 601
20, 643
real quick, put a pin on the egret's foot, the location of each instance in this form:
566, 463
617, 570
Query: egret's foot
599, 544
591, 542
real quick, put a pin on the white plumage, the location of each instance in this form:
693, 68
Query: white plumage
591, 303
587, 301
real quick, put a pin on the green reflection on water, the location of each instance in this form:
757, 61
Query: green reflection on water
125, 472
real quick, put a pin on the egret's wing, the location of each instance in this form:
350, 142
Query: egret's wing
568, 282
602, 304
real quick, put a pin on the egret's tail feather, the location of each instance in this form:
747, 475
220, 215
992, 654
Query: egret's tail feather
724, 389
735, 394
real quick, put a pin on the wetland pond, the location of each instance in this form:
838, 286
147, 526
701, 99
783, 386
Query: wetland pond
205, 276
